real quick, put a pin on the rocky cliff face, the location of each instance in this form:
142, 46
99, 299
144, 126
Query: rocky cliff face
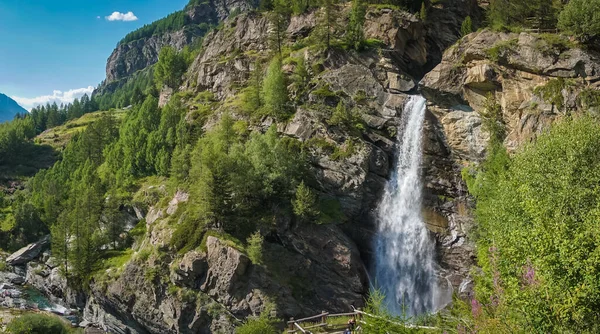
505, 69
128, 58
206, 290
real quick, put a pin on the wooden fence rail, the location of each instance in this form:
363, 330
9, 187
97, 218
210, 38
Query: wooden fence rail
295, 326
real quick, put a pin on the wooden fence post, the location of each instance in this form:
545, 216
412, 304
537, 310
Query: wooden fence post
324, 317
291, 323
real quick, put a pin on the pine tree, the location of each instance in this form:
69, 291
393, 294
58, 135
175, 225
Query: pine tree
466, 27
113, 219
274, 91
355, 33
423, 12
61, 236
255, 248
252, 94
326, 22
86, 221
305, 203
279, 18
301, 77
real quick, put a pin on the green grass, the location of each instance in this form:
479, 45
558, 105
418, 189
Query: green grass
115, 259
153, 190
502, 49
224, 238
553, 44
35, 322
58, 137
111, 265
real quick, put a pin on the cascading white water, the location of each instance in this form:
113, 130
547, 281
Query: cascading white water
404, 250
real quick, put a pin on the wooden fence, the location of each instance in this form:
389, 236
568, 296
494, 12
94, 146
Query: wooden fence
323, 322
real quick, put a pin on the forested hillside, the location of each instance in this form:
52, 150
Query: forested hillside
230, 185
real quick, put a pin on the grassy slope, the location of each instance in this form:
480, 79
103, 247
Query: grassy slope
59, 136
43, 152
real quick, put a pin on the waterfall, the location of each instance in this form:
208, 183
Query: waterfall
404, 250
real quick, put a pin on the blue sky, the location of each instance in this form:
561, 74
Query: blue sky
54, 50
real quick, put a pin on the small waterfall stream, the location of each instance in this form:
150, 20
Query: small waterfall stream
404, 250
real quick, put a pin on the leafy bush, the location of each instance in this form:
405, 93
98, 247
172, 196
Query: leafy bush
492, 119
502, 49
580, 17
466, 27
305, 203
254, 249
552, 91
37, 324
537, 219
260, 325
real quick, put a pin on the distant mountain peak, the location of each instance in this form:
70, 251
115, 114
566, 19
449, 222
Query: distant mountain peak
9, 108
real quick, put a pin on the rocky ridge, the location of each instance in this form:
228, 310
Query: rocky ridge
137, 55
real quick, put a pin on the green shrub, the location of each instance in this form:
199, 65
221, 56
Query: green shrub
144, 254
347, 151
305, 203
255, 248
553, 44
139, 230
580, 17
260, 325
537, 218
466, 27
552, 91
502, 49
37, 324
324, 91
492, 119
589, 99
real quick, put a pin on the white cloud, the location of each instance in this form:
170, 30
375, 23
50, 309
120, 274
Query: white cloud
118, 16
98, 17
57, 96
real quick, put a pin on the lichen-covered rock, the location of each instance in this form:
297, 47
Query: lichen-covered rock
130, 57
507, 67
227, 55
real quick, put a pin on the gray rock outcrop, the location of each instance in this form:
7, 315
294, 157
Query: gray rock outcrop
28, 252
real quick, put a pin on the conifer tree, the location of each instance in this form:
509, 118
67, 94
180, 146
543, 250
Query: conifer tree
274, 91
113, 219
326, 22
466, 27
252, 94
85, 225
355, 33
301, 77
305, 203
170, 68
423, 12
279, 18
